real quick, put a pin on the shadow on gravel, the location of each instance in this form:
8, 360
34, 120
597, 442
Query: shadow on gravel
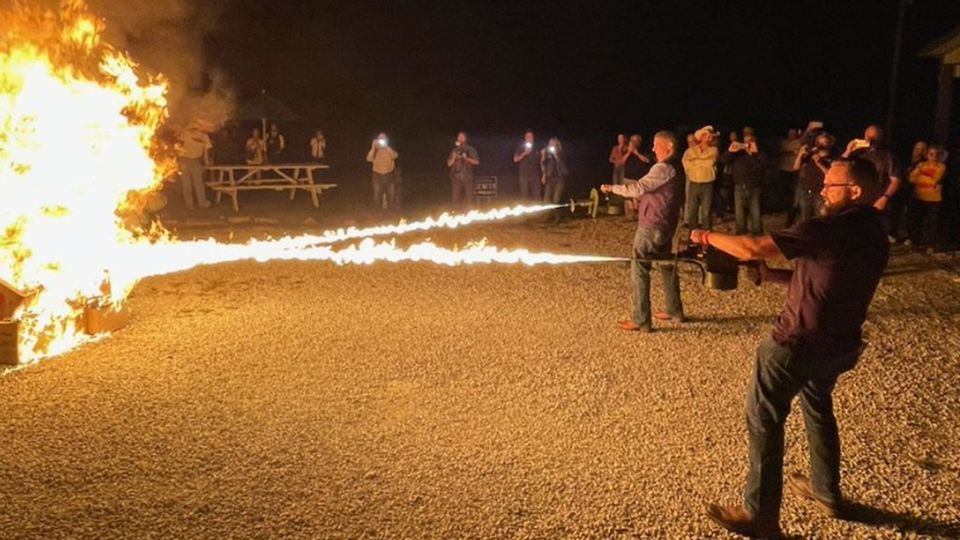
903, 522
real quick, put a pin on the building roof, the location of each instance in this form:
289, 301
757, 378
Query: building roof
943, 46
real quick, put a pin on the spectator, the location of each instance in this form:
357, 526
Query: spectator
636, 165
194, 152
276, 144
528, 167
461, 162
555, 173
746, 163
384, 164
900, 201
723, 194
918, 155
318, 147
812, 163
699, 163
838, 260
618, 157
786, 169
950, 207
927, 179
254, 148
871, 147
659, 197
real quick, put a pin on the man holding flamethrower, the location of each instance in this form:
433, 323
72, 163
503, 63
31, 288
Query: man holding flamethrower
838, 259
658, 198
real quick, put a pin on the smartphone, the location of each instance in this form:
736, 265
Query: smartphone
552, 149
528, 145
383, 143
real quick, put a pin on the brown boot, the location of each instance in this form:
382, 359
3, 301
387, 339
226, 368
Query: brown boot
664, 316
801, 485
739, 520
631, 326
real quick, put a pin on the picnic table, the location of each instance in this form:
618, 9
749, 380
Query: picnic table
232, 179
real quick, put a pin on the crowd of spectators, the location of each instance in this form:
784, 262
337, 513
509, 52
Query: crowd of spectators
734, 178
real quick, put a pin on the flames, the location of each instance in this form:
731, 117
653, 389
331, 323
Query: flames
78, 127
78, 148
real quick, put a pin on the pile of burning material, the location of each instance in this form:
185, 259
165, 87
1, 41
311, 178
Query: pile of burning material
94, 316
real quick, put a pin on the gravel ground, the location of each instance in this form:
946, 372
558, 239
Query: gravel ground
305, 400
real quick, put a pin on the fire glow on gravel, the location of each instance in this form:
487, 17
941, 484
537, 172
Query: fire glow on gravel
78, 149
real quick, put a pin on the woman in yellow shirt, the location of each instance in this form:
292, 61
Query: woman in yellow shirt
927, 178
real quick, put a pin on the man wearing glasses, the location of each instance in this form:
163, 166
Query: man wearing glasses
838, 259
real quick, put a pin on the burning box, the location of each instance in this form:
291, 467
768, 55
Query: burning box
96, 319
98, 316
105, 318
10, 299
9, 334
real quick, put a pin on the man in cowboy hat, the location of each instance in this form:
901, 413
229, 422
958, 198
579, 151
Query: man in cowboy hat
699, 163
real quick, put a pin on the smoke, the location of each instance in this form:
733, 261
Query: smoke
167, 36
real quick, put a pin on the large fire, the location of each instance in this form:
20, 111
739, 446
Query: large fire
77, 147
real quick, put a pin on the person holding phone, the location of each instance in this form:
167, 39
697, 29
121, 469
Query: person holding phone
528, 167
462, 160
383, 159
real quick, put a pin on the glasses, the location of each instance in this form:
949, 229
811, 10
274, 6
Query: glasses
847, 184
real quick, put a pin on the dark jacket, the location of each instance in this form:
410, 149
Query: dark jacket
746, 168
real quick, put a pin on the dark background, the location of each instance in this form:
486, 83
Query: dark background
580, 70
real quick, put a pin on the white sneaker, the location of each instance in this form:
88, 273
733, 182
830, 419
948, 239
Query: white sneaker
891, 239
907, 242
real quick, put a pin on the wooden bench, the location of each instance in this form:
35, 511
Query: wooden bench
232, 179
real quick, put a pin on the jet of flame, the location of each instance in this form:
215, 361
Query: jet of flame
78, 147
445, 221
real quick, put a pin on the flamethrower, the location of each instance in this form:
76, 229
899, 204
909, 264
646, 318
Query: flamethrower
718, 270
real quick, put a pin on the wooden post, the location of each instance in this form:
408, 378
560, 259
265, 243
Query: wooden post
941, 123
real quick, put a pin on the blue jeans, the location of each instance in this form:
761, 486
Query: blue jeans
747, 199
650, 244
808, 204
780, 374
698, 214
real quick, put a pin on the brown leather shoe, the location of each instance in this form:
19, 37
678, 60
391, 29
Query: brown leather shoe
737, 519
801, 485
631, 326
664, 316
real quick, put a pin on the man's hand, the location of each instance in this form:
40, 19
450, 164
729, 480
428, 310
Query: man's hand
851, 146
606, 188
698, 236
543, 180
881, 203
643, 158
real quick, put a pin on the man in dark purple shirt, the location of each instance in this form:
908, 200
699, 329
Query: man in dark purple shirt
837, 263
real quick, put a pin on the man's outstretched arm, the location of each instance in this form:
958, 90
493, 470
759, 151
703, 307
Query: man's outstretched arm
746, 248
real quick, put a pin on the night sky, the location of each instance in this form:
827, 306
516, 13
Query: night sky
582, 70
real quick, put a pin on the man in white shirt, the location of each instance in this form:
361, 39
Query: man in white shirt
194, 152
700, 166
383, 159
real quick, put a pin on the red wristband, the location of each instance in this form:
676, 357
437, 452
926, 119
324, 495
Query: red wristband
705, 238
